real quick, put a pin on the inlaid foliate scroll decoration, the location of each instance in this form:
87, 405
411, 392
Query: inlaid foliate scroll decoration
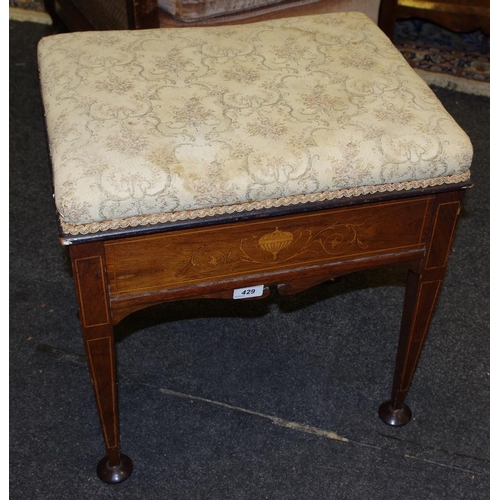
278, 246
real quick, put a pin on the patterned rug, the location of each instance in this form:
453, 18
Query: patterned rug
36, 5
429, 47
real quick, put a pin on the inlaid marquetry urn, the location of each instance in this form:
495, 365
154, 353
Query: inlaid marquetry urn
276, 241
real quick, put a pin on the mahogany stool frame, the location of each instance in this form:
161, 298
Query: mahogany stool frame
293, 248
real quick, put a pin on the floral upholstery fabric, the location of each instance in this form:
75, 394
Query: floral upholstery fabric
160, 125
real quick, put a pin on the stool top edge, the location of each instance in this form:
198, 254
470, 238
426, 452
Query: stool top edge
116, 232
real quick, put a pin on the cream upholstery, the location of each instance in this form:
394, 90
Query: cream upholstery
160, 125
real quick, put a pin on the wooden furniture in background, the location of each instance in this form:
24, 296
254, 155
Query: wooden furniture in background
79, 15
454, 15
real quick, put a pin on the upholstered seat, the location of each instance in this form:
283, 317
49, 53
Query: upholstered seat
221, 162
161, 125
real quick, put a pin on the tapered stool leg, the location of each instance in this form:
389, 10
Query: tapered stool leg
97, 330
419, 303
422, 291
